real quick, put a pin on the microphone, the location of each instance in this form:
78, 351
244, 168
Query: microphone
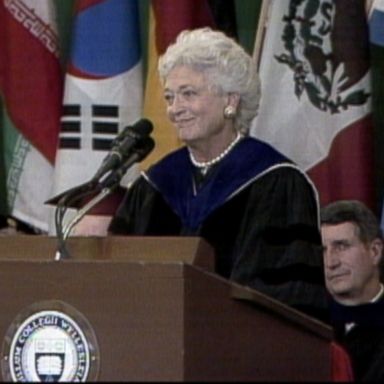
142, 150
122, 146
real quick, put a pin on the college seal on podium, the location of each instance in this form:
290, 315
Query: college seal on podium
50, 345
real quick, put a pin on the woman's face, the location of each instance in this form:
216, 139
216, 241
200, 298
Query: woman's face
195, 110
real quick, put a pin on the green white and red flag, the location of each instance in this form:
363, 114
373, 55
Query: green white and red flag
31, 90
316, 93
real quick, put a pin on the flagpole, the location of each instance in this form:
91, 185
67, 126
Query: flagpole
369, 6
261, 28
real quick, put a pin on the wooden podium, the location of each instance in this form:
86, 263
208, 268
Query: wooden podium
159, 313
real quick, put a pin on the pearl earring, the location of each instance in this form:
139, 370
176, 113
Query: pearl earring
229, 112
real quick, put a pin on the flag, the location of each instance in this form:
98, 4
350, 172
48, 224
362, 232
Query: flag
316, 94
31, 90
103, 88
376, 23
167, 19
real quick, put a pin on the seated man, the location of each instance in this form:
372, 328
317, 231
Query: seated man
352, 250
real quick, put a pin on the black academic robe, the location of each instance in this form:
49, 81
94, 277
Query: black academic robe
257, 210
364, 342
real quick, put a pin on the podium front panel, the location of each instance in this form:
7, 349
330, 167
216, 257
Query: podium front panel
159, 313
170, 321
135, 310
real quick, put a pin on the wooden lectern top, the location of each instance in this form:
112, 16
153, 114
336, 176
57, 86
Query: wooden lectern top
190, 250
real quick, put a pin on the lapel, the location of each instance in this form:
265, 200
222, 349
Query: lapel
173, 178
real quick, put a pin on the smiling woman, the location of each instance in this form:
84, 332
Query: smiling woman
197, 113
255, 207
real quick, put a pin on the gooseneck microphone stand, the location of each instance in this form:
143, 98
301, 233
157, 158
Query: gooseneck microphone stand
101, 187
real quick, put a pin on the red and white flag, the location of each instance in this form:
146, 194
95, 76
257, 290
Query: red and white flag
316, 93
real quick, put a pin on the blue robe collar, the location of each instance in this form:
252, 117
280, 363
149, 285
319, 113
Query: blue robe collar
173, 178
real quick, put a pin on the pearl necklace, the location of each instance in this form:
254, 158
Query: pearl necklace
205, 165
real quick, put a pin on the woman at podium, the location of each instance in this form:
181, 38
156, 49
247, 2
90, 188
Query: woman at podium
256, 208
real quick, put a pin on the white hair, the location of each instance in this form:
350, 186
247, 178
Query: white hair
226, 65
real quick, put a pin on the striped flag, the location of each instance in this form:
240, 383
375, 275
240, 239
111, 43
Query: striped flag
316, 94
167, 19
31, 88
103, 87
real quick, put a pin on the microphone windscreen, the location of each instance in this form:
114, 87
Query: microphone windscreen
145, 148
142, 127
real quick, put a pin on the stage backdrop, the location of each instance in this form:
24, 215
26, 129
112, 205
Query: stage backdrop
33, 166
